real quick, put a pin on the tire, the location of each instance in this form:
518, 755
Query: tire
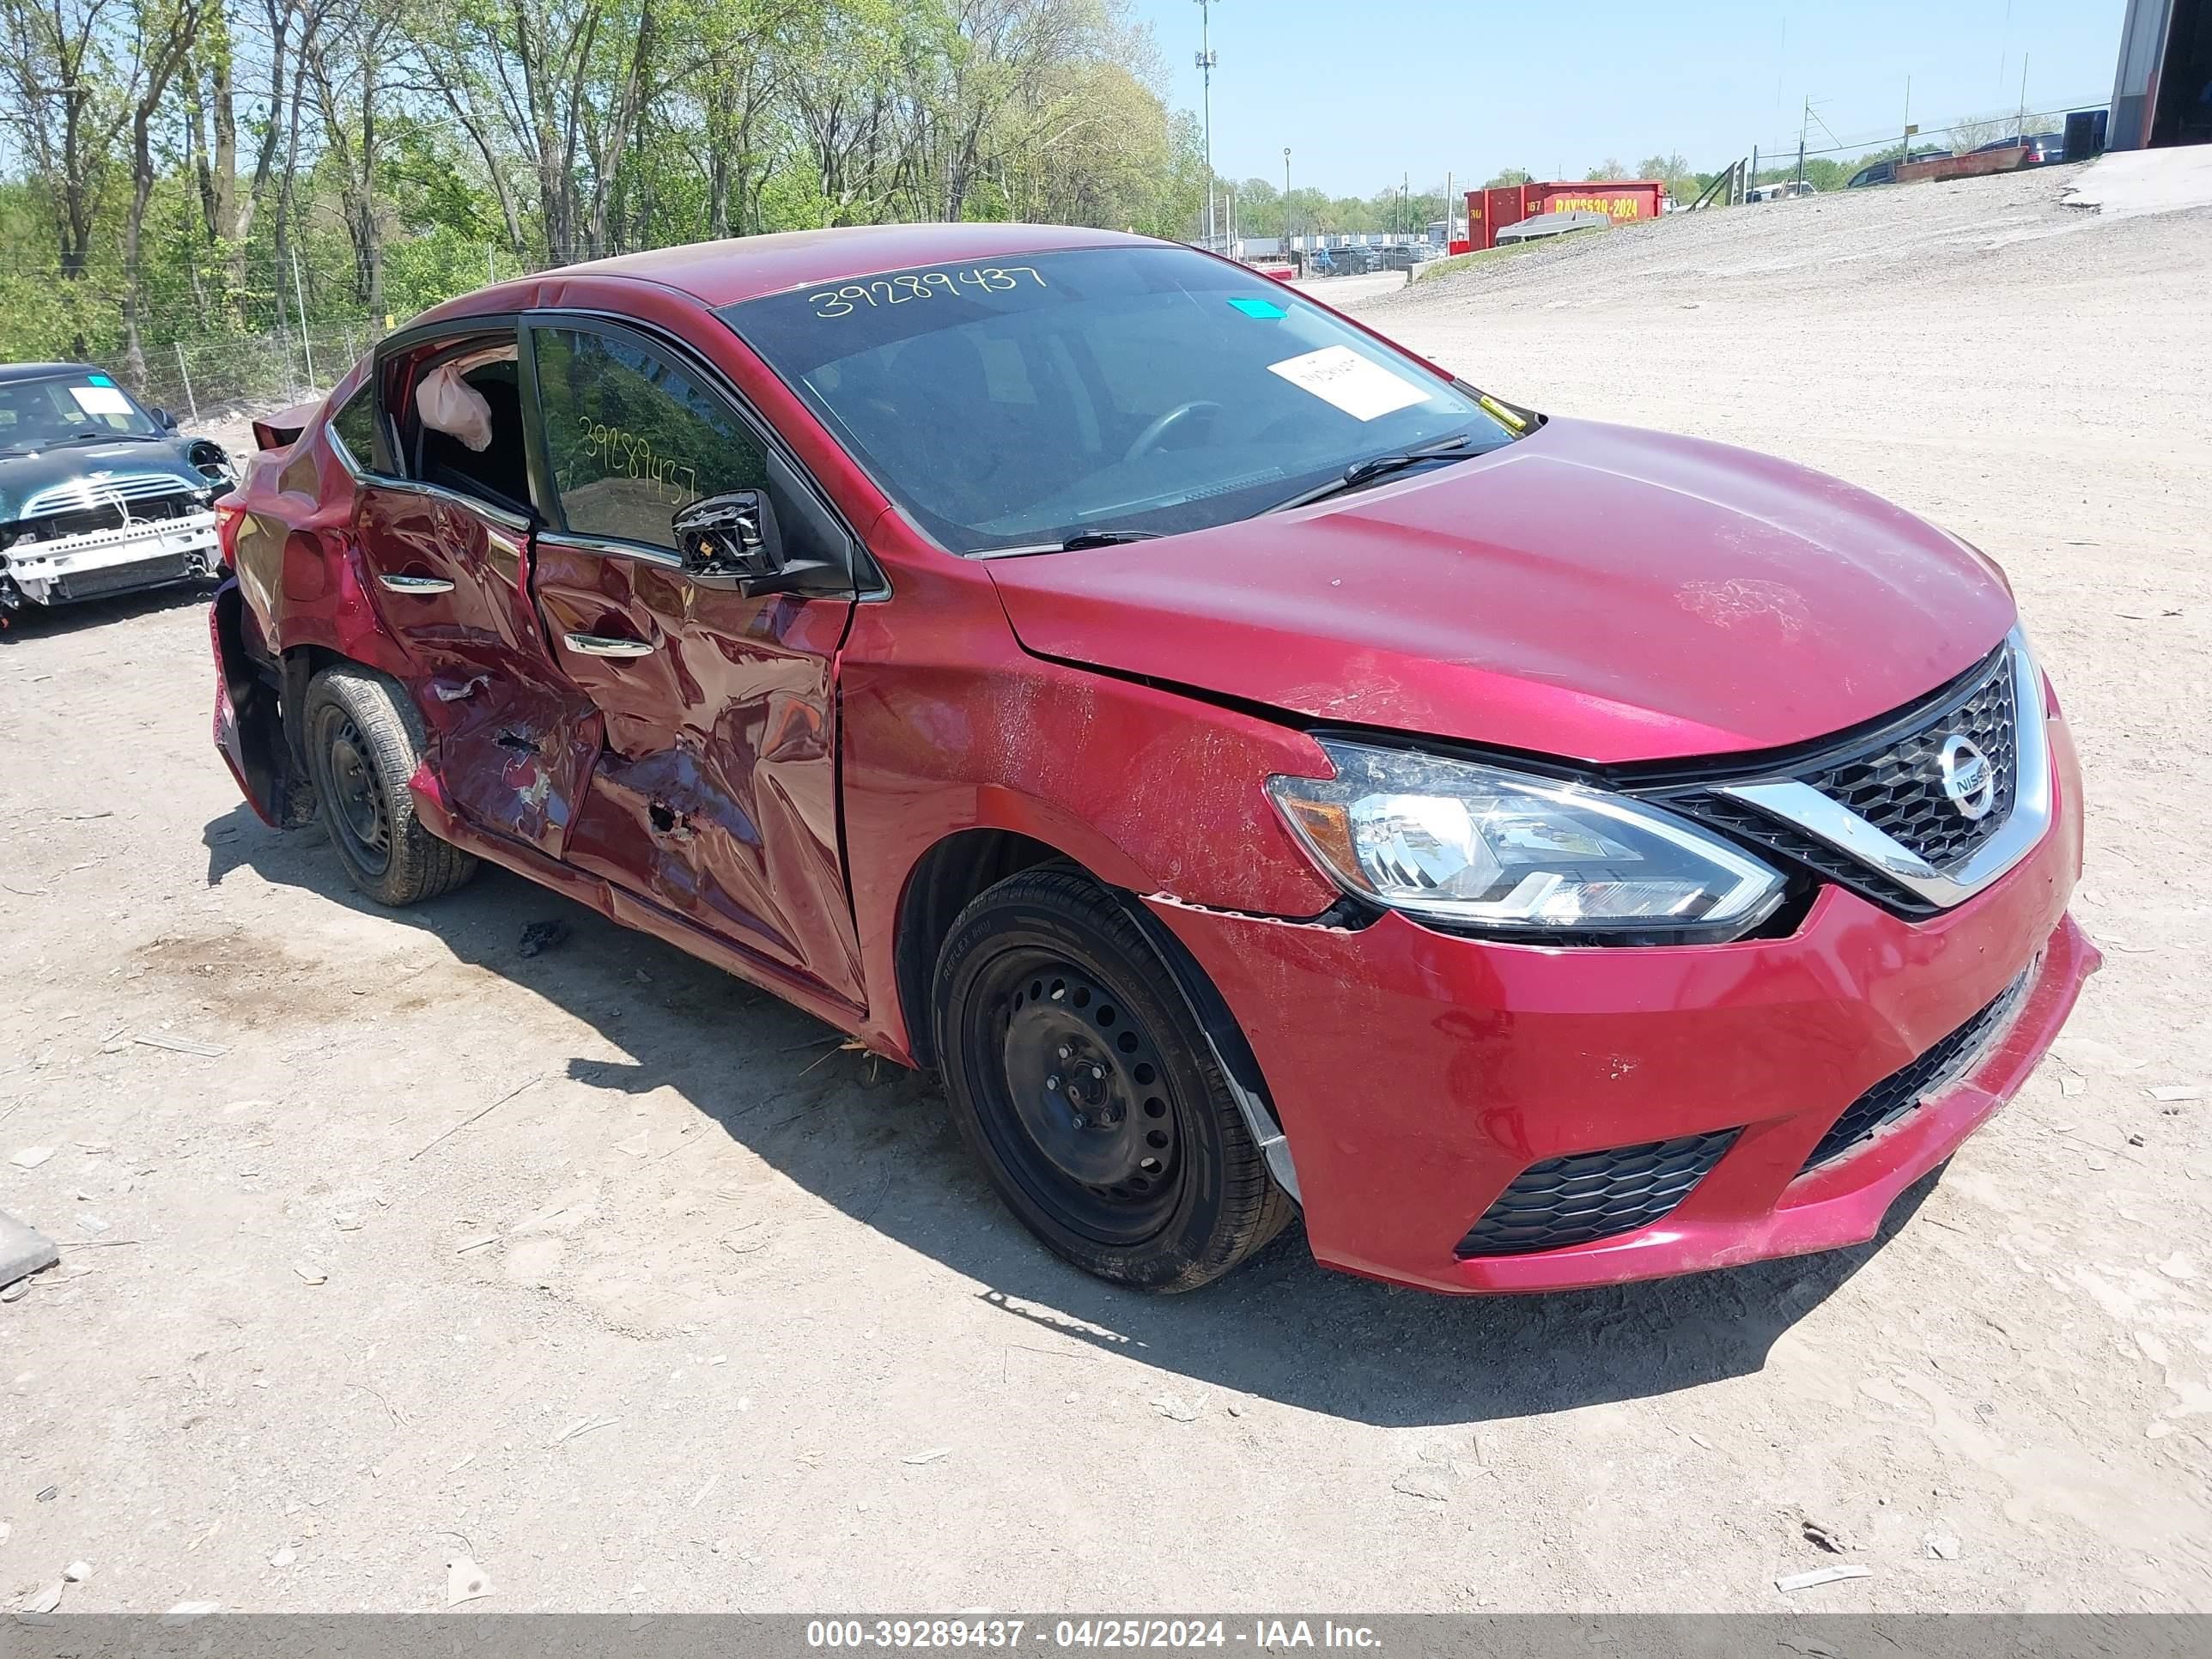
1078, 1075
364, 741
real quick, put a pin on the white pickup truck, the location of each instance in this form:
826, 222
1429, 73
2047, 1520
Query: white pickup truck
98, 494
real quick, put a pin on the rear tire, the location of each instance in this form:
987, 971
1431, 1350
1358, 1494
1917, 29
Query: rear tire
364, 741
1078, 1075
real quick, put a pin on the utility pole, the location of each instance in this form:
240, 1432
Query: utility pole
1287, 200
1803, 122
1205, 61
1904, 149
2020, 128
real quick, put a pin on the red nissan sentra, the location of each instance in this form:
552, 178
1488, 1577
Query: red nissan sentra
1263, 774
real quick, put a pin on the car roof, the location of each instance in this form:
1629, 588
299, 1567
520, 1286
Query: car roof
42, 371
746, 267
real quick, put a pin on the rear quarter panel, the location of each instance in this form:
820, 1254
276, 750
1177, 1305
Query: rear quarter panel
298, 570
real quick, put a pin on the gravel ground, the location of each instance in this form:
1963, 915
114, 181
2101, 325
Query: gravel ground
629, 1283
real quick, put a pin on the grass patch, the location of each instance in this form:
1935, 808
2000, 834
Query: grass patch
1459, 262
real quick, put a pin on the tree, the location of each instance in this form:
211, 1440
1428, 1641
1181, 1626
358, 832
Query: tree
162, 35
175, 162
1970, 132
345, 65
68, 111
1508, 179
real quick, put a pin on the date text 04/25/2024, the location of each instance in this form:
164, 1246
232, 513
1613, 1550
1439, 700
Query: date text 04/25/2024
1263, 1635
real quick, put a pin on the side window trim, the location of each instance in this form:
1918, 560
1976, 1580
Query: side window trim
491, 512
869, 580
608, 547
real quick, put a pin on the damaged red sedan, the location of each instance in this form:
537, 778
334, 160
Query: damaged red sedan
1263, 774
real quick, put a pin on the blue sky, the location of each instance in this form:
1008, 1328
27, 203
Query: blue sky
1363, 92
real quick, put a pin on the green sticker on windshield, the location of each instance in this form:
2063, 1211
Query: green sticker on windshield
100, 379
1267, 310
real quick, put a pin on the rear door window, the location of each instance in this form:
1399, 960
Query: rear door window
354, 427
459, 411
632, 437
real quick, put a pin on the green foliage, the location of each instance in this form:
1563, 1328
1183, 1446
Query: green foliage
438, 144
1822, 172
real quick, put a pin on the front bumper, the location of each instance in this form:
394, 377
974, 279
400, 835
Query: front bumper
106, 561
1416, 1074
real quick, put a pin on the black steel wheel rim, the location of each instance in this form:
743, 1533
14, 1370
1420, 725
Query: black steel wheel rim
1075, 1097
360, 813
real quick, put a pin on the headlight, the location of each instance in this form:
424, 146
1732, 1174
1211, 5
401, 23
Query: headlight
1504, 851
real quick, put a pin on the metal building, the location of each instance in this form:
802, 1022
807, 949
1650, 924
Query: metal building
2162, 93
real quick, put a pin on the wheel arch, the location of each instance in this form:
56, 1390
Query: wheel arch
960, 865
951, 872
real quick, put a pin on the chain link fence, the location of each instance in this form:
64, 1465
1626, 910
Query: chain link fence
193, 378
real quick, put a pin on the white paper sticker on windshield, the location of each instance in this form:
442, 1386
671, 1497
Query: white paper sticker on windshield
101, 399
1340, 375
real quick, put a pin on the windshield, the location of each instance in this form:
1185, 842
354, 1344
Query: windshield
62, 409
1141, 390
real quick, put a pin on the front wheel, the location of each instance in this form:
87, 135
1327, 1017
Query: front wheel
1077, 1074
363, 744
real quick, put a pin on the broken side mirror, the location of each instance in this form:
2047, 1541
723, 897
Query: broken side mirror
163, 419
732, 541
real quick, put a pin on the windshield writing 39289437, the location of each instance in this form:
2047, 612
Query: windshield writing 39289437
1091, 391
910, 286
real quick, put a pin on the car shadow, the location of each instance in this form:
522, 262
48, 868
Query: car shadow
38, 621
875, 1140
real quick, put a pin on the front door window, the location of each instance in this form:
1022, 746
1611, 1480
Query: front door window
632, 438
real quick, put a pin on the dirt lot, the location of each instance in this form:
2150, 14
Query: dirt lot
629, 1283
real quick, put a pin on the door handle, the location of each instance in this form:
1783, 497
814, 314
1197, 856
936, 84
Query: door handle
415, 584
602, 644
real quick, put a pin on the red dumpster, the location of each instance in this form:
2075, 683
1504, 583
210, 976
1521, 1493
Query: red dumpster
1489, 211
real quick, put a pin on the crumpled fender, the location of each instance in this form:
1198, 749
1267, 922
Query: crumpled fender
947, 724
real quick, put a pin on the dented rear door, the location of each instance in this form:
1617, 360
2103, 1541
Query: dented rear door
512, 739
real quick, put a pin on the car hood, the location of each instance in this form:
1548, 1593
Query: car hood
1591, 591
23, 476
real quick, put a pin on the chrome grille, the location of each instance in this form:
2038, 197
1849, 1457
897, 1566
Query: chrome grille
1793, 844
1898, 788
84, 495
1873, 814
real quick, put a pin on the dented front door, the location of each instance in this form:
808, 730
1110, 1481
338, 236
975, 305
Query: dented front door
511, 740
715, 794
